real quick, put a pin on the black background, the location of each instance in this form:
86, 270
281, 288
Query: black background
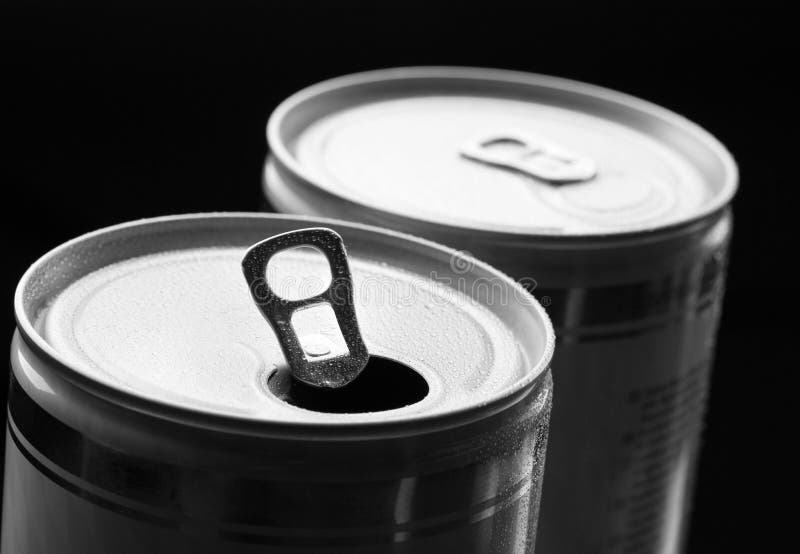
116, 115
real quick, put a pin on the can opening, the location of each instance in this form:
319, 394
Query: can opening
384, 384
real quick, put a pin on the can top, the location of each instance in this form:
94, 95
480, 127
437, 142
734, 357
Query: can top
157, 311
495, 151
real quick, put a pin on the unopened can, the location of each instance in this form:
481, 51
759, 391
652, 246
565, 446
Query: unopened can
613, 209
147, 411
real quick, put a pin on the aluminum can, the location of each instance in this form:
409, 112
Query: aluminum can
614, 211
143, 416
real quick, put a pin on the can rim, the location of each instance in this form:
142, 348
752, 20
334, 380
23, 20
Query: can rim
439, 227
231, 422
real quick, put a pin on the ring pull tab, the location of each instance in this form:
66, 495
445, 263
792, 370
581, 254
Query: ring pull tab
536, 158
325, 372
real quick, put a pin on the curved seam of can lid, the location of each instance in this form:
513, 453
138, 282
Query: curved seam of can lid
108, 392
518, 241
283, 156
287, 430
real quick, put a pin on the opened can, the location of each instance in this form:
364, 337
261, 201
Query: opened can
148, 410
614, 211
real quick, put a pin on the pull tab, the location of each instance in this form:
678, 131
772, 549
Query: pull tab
536, 158
331, 372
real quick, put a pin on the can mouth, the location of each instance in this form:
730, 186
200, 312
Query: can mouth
384, 384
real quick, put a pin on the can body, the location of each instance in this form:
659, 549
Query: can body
88, 473
633, 366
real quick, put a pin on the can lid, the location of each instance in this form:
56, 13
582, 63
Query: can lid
495, 151
157, 310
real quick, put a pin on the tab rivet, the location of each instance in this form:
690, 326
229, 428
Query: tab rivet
316, 346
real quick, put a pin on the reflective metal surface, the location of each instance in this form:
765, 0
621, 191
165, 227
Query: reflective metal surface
96, 466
